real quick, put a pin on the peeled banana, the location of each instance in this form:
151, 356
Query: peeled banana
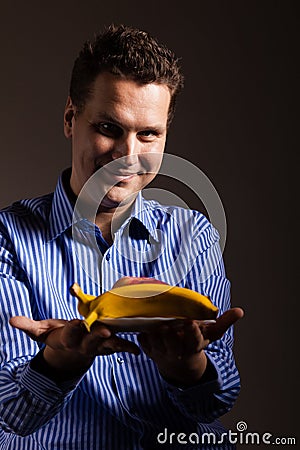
145, 300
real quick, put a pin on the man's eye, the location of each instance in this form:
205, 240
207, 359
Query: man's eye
148, 133
108, 129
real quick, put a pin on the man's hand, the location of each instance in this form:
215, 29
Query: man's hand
177, 348
69, 346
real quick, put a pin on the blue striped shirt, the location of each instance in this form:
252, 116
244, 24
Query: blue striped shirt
122, 402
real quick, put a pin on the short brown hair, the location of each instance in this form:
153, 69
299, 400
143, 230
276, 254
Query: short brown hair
129, 52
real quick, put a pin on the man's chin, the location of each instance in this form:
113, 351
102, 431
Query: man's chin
115, 199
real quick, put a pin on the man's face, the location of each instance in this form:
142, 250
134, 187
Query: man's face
122, 121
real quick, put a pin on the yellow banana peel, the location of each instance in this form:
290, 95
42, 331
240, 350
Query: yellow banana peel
146, 300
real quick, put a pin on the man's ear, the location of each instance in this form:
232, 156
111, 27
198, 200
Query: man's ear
68, 118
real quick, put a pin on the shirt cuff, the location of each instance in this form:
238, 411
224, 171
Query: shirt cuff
40, 386
40, 378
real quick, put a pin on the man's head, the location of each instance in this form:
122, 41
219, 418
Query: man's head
121, 101
125, 52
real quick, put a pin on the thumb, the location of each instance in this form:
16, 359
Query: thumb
216, 330
36, 329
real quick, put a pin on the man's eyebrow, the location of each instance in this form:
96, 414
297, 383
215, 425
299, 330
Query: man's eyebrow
157, 128
109, 118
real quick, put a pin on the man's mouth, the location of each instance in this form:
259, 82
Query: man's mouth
123, 177
120, 175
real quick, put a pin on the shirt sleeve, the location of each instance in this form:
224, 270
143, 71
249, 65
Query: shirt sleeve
218, 392
28, 399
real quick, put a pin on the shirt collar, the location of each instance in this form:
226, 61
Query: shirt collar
141, 210
61, 214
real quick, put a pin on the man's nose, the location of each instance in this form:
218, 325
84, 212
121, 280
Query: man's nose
127, 146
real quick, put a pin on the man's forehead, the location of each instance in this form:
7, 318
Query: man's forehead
115, 99
110, 85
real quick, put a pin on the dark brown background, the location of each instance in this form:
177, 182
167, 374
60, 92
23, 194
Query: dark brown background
235, 120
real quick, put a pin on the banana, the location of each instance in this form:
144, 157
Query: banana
144, 300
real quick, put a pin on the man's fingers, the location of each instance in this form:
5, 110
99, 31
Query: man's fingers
116, 344
229, 318
216, 330
63, 334
144, 342
36, 329
42, 331
154, 341
194, 340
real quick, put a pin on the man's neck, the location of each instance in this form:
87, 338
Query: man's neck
110, 220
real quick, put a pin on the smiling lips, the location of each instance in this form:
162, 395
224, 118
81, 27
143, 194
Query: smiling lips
119, 175
123, 177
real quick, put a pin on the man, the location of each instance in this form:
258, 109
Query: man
62, 387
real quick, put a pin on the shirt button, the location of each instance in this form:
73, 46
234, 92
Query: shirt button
107, 257
120, 360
